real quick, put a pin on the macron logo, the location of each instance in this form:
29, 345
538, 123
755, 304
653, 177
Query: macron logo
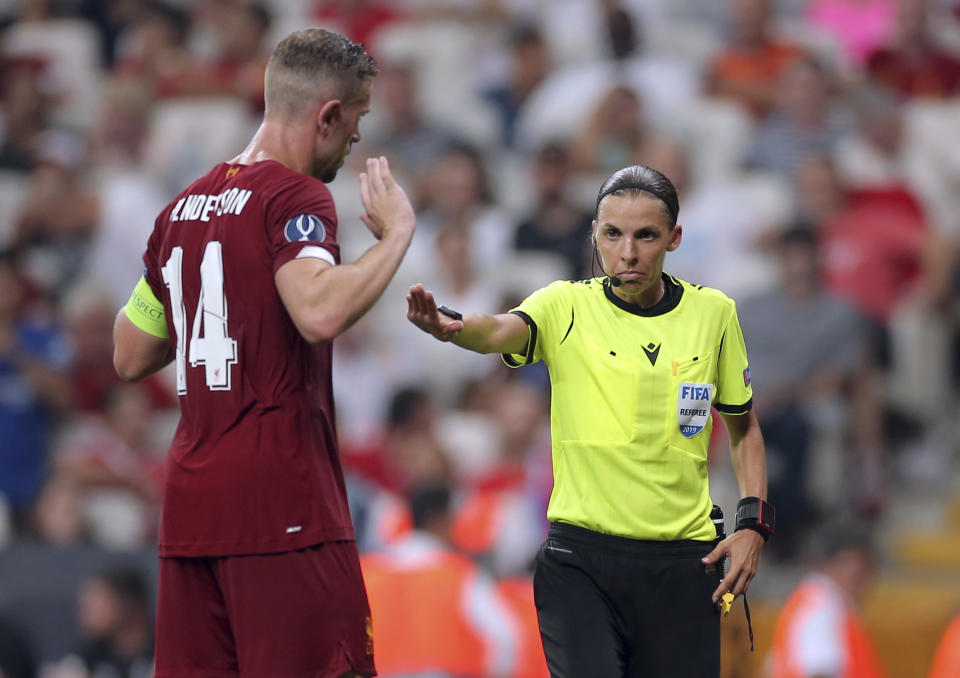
295, 528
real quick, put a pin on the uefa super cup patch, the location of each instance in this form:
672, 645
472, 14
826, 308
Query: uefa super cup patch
693, 407
305, 228
746, 377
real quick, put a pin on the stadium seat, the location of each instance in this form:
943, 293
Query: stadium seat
71, 48
129, 202
288, 11
932, 165
768, 194
720, 132
821, 44
12, 185
526, 271
444, 52
691, 41
188, 136
931, 549
6, 526
472, 443
291, 20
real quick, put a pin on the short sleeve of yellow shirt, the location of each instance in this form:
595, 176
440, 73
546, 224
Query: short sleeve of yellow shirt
734, 392
543, 311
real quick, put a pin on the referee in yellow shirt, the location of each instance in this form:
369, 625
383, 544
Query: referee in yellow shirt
628, 580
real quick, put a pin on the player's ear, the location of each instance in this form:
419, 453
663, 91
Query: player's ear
593, 232
676, 235
329, 116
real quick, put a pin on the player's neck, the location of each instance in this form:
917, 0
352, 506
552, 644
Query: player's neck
282, 142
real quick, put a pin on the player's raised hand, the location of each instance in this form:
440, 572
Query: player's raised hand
422, 311
386, 204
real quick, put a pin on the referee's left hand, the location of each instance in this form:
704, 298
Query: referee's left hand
743, 547
423, 312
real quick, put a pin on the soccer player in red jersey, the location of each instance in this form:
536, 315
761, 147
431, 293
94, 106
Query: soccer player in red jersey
244, 290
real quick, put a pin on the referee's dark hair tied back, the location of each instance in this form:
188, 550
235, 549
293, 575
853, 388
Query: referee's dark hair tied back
637, 178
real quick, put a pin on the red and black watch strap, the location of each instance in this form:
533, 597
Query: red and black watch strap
753, 513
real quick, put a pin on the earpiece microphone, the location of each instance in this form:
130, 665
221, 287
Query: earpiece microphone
614, 280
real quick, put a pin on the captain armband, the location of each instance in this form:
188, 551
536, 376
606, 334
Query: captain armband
753, 513
145, 311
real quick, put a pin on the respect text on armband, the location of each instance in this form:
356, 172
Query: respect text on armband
146, 309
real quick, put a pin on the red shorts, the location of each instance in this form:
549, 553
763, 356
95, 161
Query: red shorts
301, 614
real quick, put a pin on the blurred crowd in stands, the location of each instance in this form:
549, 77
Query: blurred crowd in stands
815, 145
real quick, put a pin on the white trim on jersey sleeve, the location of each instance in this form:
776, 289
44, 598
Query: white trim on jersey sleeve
816, 639
316, 252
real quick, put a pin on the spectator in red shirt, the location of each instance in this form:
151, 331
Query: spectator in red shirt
873, 239
408, 451
913, 65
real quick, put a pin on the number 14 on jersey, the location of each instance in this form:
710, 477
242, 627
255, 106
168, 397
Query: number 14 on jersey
210, 343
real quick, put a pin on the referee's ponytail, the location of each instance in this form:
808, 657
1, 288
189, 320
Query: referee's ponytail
636, 178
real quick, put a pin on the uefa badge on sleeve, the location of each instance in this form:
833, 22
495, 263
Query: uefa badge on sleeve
693, 407
746, 377
305, 228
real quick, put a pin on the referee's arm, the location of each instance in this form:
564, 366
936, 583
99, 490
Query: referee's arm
480, 332
750, 467
747, 453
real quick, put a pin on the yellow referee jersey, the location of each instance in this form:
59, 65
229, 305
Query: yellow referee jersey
631, 395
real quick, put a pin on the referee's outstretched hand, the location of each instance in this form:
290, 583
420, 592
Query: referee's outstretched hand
743, 547
422, 311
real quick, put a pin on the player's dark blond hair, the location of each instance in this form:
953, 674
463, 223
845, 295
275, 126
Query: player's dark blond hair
314, 65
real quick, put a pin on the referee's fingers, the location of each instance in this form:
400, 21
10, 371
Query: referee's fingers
420, 302
716, 554
426, 307
431, 305
742, 582
413, 302
720, 590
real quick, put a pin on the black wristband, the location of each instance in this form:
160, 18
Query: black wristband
753, 513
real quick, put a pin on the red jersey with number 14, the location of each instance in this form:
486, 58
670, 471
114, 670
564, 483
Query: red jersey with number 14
253, 467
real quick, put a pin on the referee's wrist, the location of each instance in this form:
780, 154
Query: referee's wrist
754, 513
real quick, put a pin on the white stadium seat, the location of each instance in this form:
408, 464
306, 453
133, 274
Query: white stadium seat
12, 193
188, 136
71, 49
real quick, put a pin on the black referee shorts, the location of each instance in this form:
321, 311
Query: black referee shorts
612, 606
